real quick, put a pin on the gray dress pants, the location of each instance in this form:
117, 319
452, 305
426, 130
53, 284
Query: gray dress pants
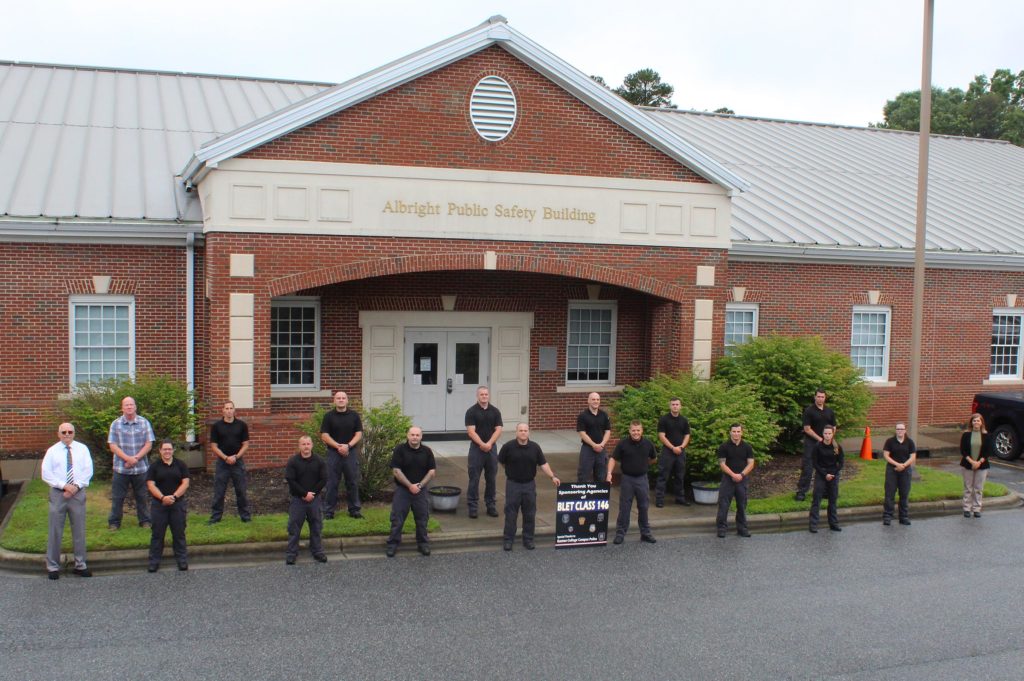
73, 508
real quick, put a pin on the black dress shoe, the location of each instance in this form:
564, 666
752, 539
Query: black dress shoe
683, 502
799, 496
152, 568
648, 538
83, 572
618, 539
320, 559
507, 546
659, 504
472, 514
328, 516
493, 512
904, 521
529, 545
246, 520
977, 514
743, 533
423, 549
183, 567
721, 534
812, 529
391, 551
887, 522
835, 528
967, 514
53, 574
355, 514
289, 561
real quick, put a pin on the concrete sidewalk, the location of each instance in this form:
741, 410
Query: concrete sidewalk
461, 533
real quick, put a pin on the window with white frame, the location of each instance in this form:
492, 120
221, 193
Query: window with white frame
869, 342
1006, 344
102, 340
590, 350
740, 324
295, 343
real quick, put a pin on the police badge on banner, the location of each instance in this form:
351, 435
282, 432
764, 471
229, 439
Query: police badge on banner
581, 515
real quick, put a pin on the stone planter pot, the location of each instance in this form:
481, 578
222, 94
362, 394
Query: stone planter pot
705, 492
445, 498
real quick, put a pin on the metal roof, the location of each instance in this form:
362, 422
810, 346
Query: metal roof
105, 144
831, 187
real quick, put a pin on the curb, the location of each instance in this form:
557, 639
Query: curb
373, 546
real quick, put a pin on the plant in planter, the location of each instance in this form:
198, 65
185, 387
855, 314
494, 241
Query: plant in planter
444, 497
710, 407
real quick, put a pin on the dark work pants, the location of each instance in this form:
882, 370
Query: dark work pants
806, 466
629, 487
400, 505
119, 485
338, 466
726, 492
299, 512
830, 490
593, 465
486, 463
520, 495
896, 482
172, 516
669, 466
236, 474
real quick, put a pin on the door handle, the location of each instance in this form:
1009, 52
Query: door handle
449, 386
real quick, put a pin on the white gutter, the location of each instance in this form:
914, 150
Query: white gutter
190, 324
764, 252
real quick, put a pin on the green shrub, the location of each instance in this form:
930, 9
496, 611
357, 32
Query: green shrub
165, 402
785, 371
383, 428
710, 407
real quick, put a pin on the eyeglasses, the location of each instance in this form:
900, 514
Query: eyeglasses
67, 432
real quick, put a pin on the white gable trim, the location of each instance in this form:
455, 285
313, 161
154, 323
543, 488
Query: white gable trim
493, 31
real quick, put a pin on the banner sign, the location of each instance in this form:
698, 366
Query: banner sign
581, 514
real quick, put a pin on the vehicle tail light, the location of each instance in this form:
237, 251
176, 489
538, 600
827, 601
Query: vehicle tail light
974, 406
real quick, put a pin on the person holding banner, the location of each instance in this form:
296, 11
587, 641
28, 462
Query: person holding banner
521, 458
734, 455
634, 454
595, 429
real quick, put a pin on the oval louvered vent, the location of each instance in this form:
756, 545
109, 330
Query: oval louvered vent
492, 108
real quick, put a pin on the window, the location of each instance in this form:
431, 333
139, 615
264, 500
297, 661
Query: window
590, 353
740, 324
102, 342
1005, 357
869, 342
295, 343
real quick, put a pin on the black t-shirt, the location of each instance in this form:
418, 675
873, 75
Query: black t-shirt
414, 463
675, 428
521, 461
817, 419
634, 456
342, 426
900, 452
826, 459
735, 456
167, 477
305, 475
229, 436
594, 425
484, 420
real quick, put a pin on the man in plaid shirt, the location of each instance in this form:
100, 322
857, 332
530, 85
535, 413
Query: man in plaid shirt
131, 437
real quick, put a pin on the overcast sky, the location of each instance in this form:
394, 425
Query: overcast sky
834, 61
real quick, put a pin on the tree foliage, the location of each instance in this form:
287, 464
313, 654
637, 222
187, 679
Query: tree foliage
383, 428
91, 408
991, 108
710, 407
644, 88
784, 371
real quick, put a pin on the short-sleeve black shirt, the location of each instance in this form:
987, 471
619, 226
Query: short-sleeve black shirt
229, 436
342, 426
676, 428
521, 461
634, 456
817, 419
735, 455
167, 477
900, 452
485, 420
594, 425
414, 463
305, 475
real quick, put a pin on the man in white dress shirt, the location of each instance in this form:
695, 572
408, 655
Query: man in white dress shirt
67, 469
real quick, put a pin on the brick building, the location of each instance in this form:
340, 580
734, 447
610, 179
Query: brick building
477, 212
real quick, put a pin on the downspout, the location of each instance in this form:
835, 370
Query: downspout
190, 324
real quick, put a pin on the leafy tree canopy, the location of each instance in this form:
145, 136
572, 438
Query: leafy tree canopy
991, 108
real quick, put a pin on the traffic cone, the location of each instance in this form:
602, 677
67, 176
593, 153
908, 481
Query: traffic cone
865, 446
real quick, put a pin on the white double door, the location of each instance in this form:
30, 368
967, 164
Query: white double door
443, 368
